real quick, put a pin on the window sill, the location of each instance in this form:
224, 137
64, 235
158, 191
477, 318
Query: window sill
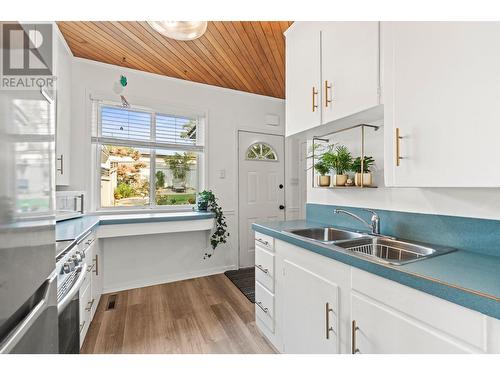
132, 224
127, 211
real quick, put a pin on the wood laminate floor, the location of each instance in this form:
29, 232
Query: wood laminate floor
202, 315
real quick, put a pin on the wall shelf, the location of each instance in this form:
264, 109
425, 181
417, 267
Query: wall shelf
325, 139
346, 187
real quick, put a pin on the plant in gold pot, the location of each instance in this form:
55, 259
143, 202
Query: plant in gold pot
340, 160
322, 168
365, 175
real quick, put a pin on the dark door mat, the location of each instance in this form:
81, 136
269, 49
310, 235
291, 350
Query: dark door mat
244, 279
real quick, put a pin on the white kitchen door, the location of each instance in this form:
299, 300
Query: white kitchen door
261, 186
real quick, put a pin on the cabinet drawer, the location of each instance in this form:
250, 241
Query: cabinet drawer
265, 241
88, 276
85, 302
264, 267
264, 306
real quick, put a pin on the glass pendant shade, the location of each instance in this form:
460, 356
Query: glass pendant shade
180, 30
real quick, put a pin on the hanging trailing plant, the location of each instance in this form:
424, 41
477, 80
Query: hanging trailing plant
208, 201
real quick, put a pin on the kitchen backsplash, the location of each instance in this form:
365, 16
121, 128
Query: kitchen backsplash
463, 233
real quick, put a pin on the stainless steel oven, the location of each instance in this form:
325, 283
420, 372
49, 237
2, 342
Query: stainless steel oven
71, 268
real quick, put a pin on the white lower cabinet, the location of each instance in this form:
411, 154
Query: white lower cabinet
85, 300
320, 305
97, 279
378, 329
91, 289
310, 308
264, 306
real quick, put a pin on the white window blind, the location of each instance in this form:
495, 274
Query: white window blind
177, 130
147, 129
125, 124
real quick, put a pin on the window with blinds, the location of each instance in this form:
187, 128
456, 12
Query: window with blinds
125, 124
147, 159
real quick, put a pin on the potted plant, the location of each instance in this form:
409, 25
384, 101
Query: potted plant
340, 160
365, 175
219, 233
322, 168
202, 200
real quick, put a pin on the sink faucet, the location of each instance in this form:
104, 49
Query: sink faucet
374, 224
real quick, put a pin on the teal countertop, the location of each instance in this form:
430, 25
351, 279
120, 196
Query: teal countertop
466, 278
73, 229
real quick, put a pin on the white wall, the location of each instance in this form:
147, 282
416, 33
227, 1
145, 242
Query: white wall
227, 111
469, 202
137, 261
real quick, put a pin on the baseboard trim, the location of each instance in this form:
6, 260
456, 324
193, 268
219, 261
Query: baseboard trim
166, 279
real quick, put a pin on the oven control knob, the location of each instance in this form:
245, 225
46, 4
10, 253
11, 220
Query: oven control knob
77, 258
66, 268
81, 254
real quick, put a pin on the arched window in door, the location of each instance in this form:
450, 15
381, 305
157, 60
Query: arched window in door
261, 151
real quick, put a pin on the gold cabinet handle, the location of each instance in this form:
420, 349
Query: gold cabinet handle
328, 327
327, 87
314, 93
398, 148
354, 328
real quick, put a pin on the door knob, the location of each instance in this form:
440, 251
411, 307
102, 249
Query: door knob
282, 207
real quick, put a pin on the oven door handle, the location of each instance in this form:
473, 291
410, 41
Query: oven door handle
74, 289
19, 331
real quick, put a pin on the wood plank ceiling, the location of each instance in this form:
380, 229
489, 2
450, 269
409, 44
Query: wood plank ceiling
240, 55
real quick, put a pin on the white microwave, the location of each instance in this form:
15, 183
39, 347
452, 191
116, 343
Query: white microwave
69, 204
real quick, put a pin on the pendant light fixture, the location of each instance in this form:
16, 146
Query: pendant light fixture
180, 30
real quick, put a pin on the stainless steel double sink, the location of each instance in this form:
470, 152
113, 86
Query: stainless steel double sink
381, 249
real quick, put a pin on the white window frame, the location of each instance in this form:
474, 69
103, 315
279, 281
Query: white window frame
200, 149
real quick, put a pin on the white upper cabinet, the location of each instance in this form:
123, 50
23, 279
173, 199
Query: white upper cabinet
441, 82
332, 71
63, 59
303, 77
350, 68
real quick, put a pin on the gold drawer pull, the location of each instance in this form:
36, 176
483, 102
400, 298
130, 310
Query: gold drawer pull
398, 148
314, 93
327, 86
